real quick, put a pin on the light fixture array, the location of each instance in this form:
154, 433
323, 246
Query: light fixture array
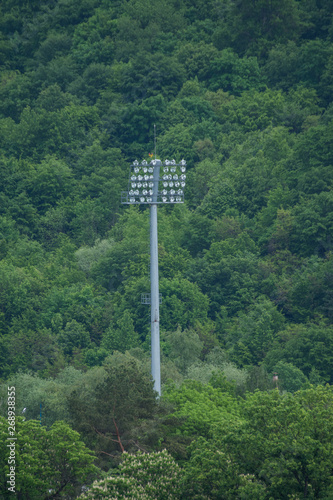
145, 187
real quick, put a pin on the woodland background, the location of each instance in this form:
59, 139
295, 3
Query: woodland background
243, 91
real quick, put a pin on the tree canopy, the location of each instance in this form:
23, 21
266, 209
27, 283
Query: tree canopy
243, 92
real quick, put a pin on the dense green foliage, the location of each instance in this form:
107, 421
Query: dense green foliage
276, 447
243, 91
47, 462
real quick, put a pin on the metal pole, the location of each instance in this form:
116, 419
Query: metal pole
155, 297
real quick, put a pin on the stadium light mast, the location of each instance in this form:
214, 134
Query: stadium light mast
152, 184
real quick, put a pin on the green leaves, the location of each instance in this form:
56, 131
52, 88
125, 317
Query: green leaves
295, 433
54, 459
314, 225
242, 91
183, 347
233, 74
51, 181
183, 303
123, 392
307, 347
280, 445
253, 28
199, 407
121, 338
255, 330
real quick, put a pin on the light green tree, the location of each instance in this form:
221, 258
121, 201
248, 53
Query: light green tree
198, 407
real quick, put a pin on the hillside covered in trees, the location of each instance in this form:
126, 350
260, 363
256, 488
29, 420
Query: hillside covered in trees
243, 91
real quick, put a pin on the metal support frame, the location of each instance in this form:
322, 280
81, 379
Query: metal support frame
146, 298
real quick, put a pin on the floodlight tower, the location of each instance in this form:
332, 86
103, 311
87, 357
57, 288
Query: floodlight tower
149, 186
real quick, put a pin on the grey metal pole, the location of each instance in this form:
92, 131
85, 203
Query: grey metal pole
155, 297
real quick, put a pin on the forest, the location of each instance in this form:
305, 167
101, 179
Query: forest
242, 90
